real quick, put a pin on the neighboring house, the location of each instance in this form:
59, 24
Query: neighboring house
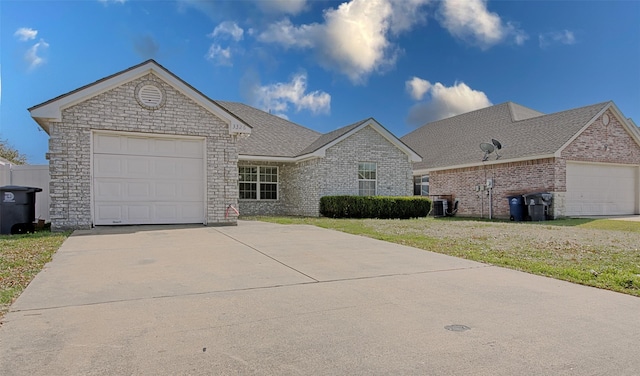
588, 158
144, 147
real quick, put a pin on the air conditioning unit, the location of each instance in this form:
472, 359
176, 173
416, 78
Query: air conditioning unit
440, 207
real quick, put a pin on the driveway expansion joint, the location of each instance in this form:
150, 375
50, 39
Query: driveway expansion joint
314, 282
266, 255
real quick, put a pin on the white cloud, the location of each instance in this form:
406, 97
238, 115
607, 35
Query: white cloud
25, 33
112, 1
219, 55
282, 6
417, 87
445, 102
354, 38
228, 28
556, 37
472, 22
276, 98
31, 56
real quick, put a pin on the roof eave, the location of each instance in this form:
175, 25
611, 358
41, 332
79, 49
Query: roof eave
52, 109
423, 171
271, 158
558, 152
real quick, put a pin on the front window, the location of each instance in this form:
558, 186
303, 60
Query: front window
258, 183
421, 185
367, 179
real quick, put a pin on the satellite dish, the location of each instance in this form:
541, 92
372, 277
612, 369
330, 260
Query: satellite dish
498, 146
487, 148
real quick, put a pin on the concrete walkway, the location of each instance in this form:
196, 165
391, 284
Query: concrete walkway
265, 299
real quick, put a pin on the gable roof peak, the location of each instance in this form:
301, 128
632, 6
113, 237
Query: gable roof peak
51, 110
519, 112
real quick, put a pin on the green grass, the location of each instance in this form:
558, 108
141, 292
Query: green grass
599, 253
21, 258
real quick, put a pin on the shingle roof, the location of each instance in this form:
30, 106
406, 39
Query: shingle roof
523, 133
270, 135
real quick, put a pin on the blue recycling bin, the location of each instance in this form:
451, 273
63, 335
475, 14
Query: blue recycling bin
516, 208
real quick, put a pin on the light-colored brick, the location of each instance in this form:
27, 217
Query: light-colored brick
303, 184
118, 110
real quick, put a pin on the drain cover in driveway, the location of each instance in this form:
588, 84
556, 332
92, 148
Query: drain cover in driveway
457, 328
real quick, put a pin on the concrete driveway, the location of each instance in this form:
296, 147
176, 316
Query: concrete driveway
266, 299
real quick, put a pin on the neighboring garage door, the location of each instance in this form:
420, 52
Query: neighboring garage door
595, 189
147, 180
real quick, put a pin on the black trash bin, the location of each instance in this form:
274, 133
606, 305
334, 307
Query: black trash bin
516, 208
538, 205
17, 209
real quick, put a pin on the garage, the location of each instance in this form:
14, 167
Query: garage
601, 189
147, 179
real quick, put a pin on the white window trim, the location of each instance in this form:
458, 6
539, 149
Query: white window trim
423, 183
373, 180
258, 182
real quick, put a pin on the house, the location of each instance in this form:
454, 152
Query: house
144, 147
588, 158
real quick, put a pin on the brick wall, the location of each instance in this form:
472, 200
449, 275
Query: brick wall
118, 110
604, 143
303, 184
512, 178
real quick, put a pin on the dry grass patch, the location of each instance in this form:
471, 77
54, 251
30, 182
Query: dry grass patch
21, 258
599, 253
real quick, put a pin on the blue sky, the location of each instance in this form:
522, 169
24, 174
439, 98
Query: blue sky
326, 64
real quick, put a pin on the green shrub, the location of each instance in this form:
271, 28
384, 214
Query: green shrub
374, 207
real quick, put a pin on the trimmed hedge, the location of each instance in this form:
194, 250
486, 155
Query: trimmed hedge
382, 207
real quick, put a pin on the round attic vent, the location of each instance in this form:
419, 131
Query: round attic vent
150, 95
605, 119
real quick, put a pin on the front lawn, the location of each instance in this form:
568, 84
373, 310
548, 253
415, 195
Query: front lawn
21, 258
600, 253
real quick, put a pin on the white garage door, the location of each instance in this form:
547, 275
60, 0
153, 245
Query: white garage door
594, 189
147, 180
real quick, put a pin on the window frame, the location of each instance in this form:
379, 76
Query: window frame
260, 183
419, 181
363, 178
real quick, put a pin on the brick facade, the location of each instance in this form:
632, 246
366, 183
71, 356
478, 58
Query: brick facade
609, 143
512, 178
598, 143
303, 184
118, 110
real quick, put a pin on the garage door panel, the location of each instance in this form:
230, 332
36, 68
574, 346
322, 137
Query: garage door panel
139, 190
106, 189
148, 180
109, 212
107, 166
103, 143
594, 189
111, 189
149, 213
138, 213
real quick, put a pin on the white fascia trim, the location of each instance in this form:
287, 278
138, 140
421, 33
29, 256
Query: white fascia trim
266, 158
53, 111
426, 171
382, 131
558, 152
570, 161
627, 123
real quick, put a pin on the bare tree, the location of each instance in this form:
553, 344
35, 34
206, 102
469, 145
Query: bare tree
11, 154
